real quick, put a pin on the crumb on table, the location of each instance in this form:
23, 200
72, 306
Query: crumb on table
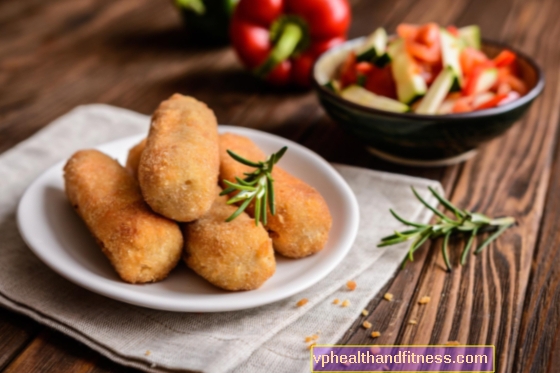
311, 338
351, 285
336, 301
302, 302
412, 322
148, 352
345, 303
366, 325
375, 334
424, 300
365, 312
388, 296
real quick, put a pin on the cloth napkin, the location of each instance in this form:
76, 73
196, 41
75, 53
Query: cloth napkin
268, 338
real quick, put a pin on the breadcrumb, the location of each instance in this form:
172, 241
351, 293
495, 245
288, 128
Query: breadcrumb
412, 322
302, 302
365, 312
313, 337
351, 285
336, 301
148, 352
375, 334
452, 343
424, 300
345, 303
388, 296
366, 325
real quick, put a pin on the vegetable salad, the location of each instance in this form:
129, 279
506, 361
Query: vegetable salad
428, 69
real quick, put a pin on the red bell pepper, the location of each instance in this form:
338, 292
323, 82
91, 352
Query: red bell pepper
279, 40
493, 102
505, 58
422, 42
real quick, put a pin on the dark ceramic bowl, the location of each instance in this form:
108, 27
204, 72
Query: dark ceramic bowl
417, 139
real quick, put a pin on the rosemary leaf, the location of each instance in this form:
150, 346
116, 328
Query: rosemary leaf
242, 160
468, 222
406, 222
258, 185
447, 204
468, 246
239, 210
435, 211
445, 250
492, 237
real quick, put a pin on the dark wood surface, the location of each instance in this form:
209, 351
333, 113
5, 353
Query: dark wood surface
55, 55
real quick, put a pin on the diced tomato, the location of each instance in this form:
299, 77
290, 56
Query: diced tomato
428, 34
512, 96
423, 52
516, 84
364, 67
406, 30
429, 71
505, 58
422, 42
453, 30
470, 58
380, 81
454, 96
463, 105
506, 76
503, 88
348, 73
493, 102
471, 80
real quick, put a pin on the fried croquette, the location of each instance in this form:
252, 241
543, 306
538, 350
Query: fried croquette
133, 159
302, 221
178, 169
141, 245
233, 256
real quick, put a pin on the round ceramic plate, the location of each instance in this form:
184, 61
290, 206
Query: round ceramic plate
60, 239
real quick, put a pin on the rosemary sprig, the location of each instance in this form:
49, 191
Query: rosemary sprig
464, 222
257, 186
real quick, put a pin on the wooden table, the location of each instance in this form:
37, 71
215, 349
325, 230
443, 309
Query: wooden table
55, 55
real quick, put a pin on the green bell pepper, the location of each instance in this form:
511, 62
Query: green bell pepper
207, 21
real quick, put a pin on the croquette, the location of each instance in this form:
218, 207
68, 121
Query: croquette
302, 221
178, 169
141, 245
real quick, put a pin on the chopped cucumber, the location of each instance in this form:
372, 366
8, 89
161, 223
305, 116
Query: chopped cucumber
437, 92
486, 80
410, 84
364, 97
333, 85
470, 36
450, 50
374, 48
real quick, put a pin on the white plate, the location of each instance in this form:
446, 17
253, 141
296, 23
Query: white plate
60, 239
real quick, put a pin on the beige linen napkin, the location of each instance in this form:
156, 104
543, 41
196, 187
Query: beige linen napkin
269, 338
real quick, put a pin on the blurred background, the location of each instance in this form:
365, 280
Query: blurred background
134, 53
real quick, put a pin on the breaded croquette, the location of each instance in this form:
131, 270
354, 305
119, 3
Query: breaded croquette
133, 159
141, 245
233, 256
179, 167
302, 221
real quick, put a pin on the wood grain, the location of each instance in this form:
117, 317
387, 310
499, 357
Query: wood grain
56, 55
